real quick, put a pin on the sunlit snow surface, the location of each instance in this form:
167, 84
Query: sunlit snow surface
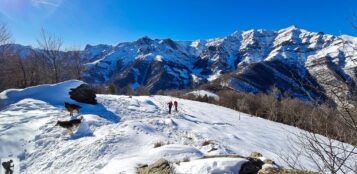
120, 133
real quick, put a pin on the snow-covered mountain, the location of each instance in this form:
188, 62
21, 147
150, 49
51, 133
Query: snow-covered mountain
119, 133
294, 60
16, 49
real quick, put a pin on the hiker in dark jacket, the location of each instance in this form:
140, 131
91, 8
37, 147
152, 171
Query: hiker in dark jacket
170, 106
175, 103
7, 166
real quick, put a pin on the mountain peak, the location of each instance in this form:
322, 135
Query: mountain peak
292, 28
236, 33
144, 40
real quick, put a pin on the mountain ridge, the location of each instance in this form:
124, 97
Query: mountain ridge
253, 61
201, 61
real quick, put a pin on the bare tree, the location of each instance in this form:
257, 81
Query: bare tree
128, 90
22, 67
5, 35
141, 90
51, 46
5, 39
328, 154
73, 63
339, 123
77, 64
47, 64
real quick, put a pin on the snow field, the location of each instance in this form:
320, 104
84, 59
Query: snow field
119, 134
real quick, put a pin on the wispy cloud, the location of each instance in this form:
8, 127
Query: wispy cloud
25, 10
46, 3
48, 6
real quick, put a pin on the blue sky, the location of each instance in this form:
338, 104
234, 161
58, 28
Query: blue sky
112, 21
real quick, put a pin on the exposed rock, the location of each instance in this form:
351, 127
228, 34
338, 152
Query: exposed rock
222, 156
255, 155
257, 166
144, 40
161, 166
269, 161
269, 171
253, 166
84, 94
249, 168
272, 170
170, 42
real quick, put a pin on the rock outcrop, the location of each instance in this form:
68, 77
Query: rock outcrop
84, 94
161, 166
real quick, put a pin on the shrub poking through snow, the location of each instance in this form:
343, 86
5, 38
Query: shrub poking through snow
207, 142
186, 159
158, 144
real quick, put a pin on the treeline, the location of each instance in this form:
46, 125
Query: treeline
50, 63
111, 88
319, 119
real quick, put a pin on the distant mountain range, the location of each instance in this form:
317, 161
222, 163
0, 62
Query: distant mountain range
301, 63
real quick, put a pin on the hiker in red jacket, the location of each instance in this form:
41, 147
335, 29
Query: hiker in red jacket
175, 103
170, 106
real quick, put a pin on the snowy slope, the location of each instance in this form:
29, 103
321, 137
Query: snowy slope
107, 145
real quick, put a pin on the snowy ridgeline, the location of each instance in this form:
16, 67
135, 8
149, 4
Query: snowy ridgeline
119, 133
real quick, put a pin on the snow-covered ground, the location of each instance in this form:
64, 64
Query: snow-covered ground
120, 132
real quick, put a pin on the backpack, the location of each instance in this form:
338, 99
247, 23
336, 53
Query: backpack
6, 165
